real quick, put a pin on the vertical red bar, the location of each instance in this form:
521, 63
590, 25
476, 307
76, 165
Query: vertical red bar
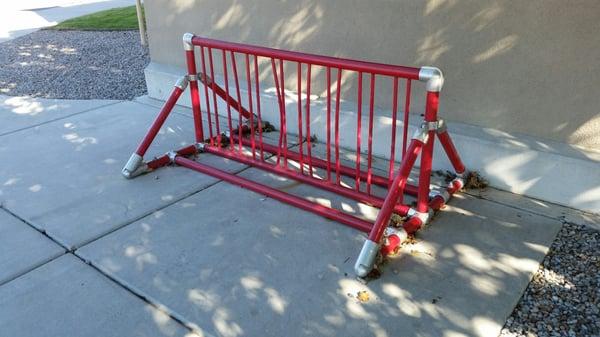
394, 116
300, 139
406, 116
328, 124
431, 109
195, 96
337, 125
358, 130
239, 100
214, 90
283, 122
249, 84
210, 127
279, 101
260, 126
308, 134
229, 122
370, 153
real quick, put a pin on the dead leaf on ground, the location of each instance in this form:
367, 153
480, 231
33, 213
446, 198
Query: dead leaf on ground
362, 296
475, 181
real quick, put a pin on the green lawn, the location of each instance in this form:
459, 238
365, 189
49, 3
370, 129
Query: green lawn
123, 18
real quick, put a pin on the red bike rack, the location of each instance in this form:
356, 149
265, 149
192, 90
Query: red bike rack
243, 141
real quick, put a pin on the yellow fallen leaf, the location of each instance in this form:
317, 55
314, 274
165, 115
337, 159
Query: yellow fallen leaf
362, 296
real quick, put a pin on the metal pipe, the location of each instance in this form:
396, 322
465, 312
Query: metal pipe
319, 183
162, 116
451, 151
293, 200
366, 258
325, 61
344, 170
194, 94
431, 109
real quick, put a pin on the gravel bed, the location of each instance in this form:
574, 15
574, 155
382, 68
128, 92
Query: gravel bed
563, 298
74, 65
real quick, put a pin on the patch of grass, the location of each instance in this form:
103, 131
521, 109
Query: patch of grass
122, 18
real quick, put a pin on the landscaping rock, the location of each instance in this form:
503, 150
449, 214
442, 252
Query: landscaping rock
74, 65
563, 298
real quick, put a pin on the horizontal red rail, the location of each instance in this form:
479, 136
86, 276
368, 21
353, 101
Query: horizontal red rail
344, 170
322, 184
325, 61
293, 200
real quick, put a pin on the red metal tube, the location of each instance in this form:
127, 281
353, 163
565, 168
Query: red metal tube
344, 170
202, 79
283, 132
412, 225
300, 140
336, 126
393, 241
159, 121
319, 183
239, 98
308, 134
293, 200
358, 130
393, 142
325, 61
437, 202
450, 150
249, 84
406, 116
260, 126
226, 78
384, 215
370, 140
214, 90
328, 148
164, 160
279, 101
195, 96
427, 154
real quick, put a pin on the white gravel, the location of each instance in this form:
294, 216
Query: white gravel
563, 298
74, 65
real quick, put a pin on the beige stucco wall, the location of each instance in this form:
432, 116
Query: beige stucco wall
530, 67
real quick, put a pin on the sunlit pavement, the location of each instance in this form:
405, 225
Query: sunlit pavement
85, 252
21, 17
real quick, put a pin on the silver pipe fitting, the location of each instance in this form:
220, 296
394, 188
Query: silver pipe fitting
441, 126
200, 147
421, 134
187, 41
399, 232
172, 155
423, 216
366, 259
459, 179
182, 83
443, 193
434, 78
132, 165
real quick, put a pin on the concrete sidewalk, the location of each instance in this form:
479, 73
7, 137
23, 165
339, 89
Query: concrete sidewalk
176, 252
